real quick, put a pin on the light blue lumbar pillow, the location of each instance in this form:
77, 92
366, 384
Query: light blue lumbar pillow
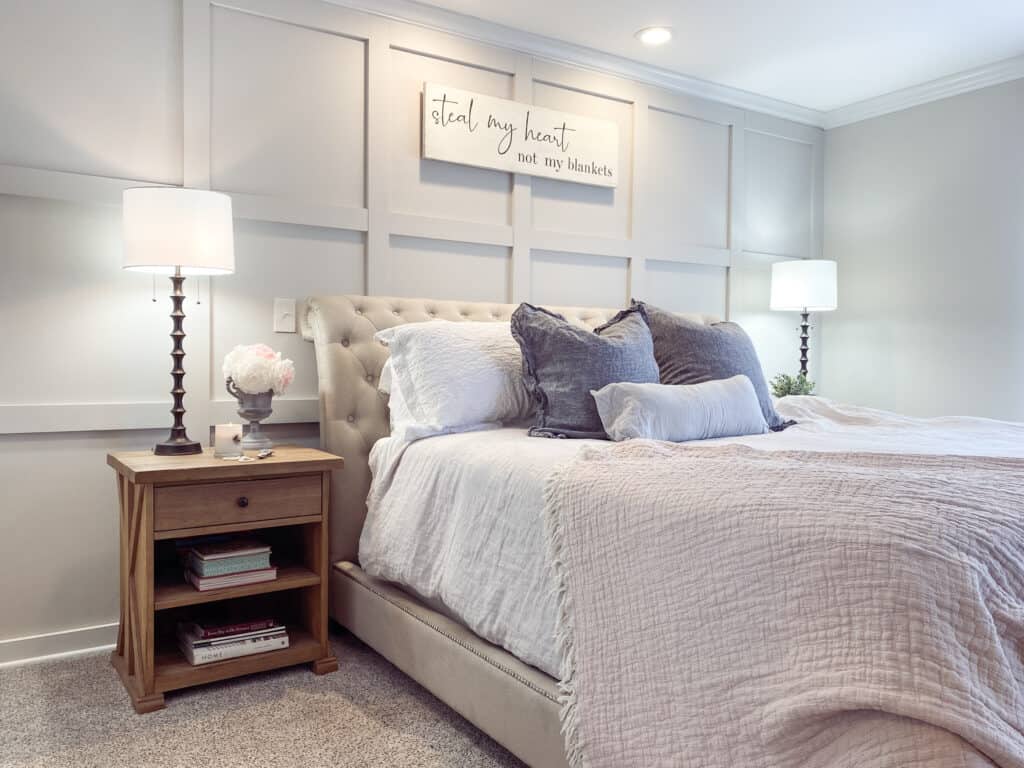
680, 412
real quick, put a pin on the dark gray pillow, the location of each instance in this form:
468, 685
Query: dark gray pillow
692, 353
562, 363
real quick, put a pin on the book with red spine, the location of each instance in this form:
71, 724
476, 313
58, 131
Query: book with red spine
212, 631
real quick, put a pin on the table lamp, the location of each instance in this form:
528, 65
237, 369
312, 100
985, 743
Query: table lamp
178, 232
804, 286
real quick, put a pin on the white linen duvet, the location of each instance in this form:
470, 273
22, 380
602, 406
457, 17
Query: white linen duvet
457, 519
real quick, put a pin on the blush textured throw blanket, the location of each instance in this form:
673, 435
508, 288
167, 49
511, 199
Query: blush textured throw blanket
725, 607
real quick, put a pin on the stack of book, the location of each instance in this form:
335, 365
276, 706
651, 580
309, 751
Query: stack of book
205, 643
227, 562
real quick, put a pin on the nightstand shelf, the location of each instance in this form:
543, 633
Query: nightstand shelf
181, 593
283, 498
174, 672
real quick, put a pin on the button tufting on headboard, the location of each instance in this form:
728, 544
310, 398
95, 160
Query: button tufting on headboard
348, 363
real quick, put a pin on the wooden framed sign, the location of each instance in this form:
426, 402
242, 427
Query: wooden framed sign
474, 129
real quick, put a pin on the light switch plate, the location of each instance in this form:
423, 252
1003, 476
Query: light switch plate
284, 315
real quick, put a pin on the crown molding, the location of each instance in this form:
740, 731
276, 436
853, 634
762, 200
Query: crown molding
579, 56
944, 87
561, 52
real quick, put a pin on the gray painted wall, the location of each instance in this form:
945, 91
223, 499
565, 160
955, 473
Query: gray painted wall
924, 211
308, 115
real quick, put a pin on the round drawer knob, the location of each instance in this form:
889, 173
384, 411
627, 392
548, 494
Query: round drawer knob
243, 501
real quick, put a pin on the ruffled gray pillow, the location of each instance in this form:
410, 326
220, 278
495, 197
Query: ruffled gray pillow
692, 353
562, 363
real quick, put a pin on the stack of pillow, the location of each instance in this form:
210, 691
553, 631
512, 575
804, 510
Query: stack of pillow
646, 373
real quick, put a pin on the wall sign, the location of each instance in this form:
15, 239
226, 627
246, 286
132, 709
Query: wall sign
474, 129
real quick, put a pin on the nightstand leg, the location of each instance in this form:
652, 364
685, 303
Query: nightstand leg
133, 655
314, 607
146, 704
325, 665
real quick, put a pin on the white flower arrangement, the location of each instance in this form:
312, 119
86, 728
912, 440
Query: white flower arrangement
257, 368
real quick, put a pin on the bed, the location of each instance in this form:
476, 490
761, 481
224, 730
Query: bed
513, 702
483, 641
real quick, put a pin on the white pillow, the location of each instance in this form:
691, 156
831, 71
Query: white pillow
680, 412
453, 377
384, 382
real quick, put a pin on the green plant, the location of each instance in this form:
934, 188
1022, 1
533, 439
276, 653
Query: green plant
784, 384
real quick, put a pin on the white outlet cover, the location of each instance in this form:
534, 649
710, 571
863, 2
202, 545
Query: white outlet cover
284, 315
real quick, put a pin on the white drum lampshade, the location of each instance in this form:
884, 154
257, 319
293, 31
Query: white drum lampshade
178, 232
804, 285
168, 229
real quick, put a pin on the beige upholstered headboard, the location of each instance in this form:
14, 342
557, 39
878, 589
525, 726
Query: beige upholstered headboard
353, 415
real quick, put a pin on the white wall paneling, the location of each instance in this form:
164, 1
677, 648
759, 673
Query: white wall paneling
307, 113
81, 95
785, 177
578, 279
687, 287
430, 268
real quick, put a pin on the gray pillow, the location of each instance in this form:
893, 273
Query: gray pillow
562, 363
692, 353
680, 412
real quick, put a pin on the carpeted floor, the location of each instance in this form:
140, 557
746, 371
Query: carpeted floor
74, 712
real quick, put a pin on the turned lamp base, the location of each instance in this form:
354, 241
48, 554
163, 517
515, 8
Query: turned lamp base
178, 444
805, 327
173, 447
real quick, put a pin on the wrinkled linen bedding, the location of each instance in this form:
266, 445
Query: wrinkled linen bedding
812, 610
457, 519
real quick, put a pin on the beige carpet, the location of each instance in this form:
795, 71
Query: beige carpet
74, 712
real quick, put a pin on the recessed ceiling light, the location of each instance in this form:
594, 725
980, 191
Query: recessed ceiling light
654, 35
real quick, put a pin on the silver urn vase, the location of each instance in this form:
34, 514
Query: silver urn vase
253, 408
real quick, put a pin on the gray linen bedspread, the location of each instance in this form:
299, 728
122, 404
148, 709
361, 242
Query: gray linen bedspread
722, 606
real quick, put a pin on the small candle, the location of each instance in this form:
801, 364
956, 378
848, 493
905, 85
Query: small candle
227, 440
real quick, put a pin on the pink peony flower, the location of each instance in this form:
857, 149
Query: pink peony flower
257, 368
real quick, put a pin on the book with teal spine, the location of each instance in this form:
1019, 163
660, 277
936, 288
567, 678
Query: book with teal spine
226, 565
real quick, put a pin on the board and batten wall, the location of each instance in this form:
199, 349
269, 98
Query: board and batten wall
925, 215
308, 114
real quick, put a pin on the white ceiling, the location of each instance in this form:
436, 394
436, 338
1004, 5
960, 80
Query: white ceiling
820, 54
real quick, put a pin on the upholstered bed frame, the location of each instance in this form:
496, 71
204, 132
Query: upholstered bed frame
514, 703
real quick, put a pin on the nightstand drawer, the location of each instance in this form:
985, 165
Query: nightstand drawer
194, 506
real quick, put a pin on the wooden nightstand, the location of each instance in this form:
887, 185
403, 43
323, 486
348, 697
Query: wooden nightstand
163, 498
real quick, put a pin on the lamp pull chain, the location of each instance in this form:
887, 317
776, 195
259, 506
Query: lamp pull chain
199, 291
154, 288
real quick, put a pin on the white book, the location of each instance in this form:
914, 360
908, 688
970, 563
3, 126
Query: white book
205, 655
185, 636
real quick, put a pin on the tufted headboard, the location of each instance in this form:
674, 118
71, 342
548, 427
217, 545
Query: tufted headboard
353, 414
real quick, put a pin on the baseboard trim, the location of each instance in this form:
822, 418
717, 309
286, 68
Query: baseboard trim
52, 645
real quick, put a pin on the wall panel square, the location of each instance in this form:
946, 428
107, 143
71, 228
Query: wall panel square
443, 269
687, 196
288, 109
79, 328
283, 261
780, 188
431, 187
686, 287
578, 279
90, 89
564, 206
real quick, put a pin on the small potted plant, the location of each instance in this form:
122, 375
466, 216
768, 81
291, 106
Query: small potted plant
784, 384
253, 374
